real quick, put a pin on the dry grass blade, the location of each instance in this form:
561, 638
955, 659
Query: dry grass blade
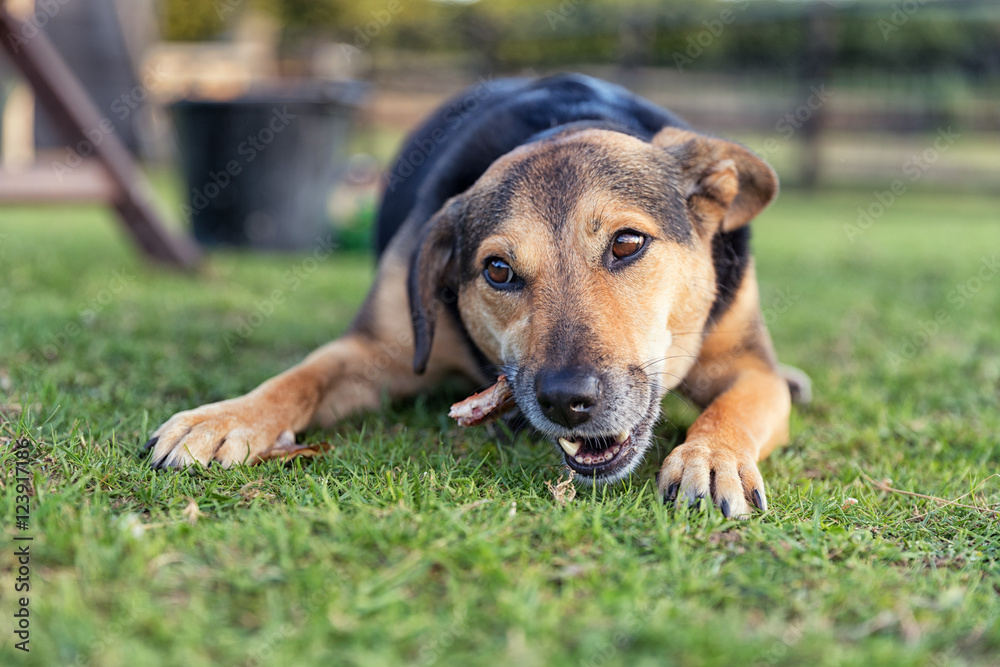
192, 512
296, 451
882, 486
563, 491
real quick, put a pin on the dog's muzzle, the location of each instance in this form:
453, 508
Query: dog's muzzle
589, 420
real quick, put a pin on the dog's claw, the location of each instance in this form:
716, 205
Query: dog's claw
671, 494
154, 460
159, 463
696, 500
150, 443
759, 500
724, 506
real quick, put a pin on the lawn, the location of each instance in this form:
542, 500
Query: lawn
416, 542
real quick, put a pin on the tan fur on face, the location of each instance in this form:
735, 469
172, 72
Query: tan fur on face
644, 326
631, 314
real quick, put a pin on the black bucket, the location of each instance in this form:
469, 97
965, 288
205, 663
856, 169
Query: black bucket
259, 168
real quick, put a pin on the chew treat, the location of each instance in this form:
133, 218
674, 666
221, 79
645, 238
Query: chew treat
485, 406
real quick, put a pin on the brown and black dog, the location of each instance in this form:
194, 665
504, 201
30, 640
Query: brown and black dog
585, 243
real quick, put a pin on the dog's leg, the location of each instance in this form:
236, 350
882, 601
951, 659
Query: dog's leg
248, 428
748, 405
350, 374
718, 460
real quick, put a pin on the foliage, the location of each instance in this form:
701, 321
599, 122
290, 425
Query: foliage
191, 20
733, 35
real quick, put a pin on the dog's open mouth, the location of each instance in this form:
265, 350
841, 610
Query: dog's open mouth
601, 455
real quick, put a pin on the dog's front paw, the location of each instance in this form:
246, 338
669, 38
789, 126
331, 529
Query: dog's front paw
708, 469
245, 429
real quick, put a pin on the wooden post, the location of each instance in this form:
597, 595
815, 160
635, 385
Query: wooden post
816, 67
72, 110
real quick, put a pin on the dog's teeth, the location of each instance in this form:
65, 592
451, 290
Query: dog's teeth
579, 459
570, 448
621, 437
615, 450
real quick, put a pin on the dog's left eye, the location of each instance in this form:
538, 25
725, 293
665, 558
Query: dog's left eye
627, 244
499, 274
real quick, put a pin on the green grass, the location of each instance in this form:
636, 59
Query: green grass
416, 542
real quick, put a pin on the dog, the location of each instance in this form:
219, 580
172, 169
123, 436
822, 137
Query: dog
584, 242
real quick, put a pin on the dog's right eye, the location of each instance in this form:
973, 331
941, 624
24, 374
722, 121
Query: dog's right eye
499, 274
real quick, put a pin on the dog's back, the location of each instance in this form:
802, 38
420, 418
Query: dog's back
453, 148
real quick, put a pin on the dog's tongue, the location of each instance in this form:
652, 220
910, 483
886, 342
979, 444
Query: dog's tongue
485, 406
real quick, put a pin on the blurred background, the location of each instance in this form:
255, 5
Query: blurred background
264, 122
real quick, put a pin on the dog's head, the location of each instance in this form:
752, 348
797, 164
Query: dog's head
582, 265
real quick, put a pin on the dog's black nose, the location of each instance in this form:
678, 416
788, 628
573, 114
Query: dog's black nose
569, 396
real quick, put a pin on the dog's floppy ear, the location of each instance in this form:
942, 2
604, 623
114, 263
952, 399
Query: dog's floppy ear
433, 272
723, 182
